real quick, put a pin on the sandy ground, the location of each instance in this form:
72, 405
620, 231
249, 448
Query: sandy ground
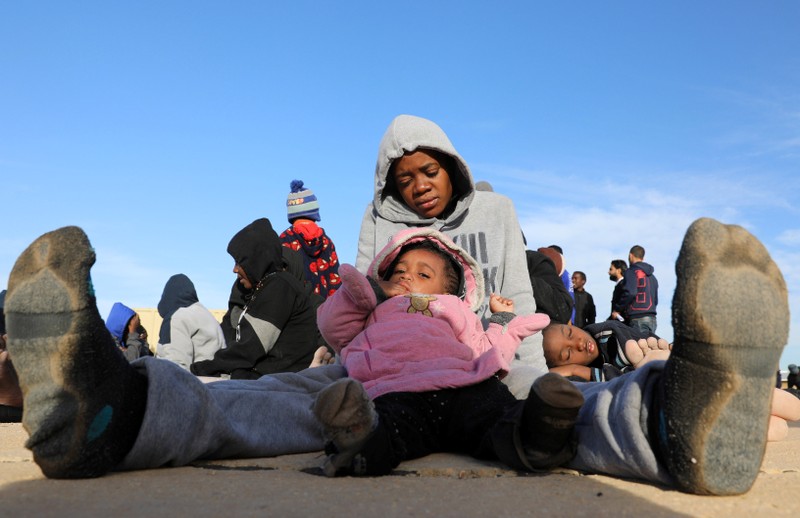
439, 485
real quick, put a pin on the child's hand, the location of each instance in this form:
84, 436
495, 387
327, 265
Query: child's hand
392, 289
498, 304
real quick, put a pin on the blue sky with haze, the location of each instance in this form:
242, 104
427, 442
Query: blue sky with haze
162, 128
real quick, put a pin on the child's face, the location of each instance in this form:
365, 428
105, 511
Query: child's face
423, 184
568, 345
420, 271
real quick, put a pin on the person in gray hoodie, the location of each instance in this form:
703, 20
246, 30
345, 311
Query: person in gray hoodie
189, 332
422, 181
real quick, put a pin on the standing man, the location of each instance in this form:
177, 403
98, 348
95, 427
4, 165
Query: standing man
585, 310
640, 293
615, 274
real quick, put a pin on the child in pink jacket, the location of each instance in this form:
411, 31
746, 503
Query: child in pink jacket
425, 375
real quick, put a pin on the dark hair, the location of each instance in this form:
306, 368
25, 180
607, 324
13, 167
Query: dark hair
545, 331
452, 270
580, 274
557, 249
620, 264
637, 251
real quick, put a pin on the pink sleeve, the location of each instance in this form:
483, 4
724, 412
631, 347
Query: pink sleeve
344, 314
507, 338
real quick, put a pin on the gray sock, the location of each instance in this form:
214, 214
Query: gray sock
83, 402
731, 322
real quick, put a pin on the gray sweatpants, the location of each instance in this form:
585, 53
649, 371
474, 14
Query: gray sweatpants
188, 420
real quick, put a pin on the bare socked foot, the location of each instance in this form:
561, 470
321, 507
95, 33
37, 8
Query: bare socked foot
646, 348
84, 403
731, 322
322, 356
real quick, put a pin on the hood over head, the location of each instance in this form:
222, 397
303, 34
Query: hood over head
178, 293
257, 249
471, 289
645, 267
118, 319
407, 134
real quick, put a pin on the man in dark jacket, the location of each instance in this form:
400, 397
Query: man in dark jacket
271, 323
639, 293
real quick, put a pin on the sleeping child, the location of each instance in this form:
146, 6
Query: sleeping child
609, 349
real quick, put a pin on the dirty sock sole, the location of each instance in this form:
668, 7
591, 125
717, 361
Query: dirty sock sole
731, 321
83, 402
348, 418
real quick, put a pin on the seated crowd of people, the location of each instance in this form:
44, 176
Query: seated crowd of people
445, 335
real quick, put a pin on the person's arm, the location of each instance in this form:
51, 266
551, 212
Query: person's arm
344, 314
366, 241
591, 310
515, 284
580, 371
628, 290
258, 330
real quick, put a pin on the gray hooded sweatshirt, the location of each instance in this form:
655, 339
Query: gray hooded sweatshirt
483, 223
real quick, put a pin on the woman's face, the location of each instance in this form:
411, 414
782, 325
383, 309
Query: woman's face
423, 183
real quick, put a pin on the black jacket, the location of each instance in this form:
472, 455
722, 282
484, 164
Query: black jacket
272, 327
585, 310
550, 294
639, 291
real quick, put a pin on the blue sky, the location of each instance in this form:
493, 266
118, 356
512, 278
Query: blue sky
162, 128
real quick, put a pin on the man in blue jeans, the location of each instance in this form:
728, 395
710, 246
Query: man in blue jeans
88, 411
639, 292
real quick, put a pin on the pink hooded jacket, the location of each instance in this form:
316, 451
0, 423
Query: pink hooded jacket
419, 342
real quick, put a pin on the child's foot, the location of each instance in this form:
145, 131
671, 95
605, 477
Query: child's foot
348, 418
785, 405
83, 403
778, 429
322, 356
654, 348
548, 421
731, 321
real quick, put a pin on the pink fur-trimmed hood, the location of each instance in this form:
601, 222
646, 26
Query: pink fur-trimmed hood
472, 289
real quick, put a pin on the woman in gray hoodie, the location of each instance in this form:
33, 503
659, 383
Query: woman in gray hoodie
422, 181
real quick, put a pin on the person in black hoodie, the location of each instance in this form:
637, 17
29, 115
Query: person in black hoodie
271, 324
